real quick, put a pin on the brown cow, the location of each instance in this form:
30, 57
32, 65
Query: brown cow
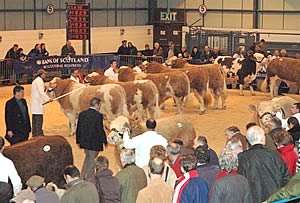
210, 75
170, 84
43, 155
142, 95
281, 69
113, 99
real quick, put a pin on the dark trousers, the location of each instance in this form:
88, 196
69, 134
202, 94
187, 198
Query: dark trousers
88, 167
6, 192
17, 138
37, 125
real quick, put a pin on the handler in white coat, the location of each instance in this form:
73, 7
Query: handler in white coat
144, 142
38, 97
112, 71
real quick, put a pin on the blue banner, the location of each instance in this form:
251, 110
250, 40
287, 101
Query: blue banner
63, 62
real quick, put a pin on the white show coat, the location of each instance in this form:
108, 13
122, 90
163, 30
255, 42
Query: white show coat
74, 79
143, 144
38, 96
110, 73
8, 170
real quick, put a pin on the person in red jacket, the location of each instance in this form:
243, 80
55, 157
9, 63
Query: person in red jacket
285, 148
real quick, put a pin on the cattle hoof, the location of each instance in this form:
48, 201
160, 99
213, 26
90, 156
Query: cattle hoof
216, 108
241, 94
252, 94
224, 108
202, 112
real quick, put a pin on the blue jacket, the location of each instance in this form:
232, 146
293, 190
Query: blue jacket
191, 189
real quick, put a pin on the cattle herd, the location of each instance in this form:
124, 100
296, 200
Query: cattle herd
139, 96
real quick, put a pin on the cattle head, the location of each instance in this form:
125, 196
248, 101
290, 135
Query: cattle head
119, 125
229, 64
52, 86
117, 128
90, 77
171, 61
265, 111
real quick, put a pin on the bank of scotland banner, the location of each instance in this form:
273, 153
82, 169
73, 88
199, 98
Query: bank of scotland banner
52, 62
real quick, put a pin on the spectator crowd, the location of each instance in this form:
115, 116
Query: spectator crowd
260, 166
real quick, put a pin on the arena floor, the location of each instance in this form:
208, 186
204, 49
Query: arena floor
211, 124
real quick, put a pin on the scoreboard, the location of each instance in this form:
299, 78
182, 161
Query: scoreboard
78, 21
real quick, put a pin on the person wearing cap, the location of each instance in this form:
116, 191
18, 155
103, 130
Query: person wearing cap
38, 97
8, 172
36, 186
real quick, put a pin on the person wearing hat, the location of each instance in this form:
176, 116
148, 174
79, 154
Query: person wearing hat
36, 184
38, 97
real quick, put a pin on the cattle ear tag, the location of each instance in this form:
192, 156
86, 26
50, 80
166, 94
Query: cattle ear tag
166, 77
179, 125
280, 59
46, 148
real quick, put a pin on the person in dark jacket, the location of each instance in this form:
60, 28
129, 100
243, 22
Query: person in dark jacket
274, 126
44, 51
90, 136
230, 187
202, 141
215, 53
294, 128
108, 186
147, 51
12, 52
20, 55
265, 170
205, 170
132, 50
68, 49
36, 51
17, 117
206, 55
195, 53
123, 49
172, 50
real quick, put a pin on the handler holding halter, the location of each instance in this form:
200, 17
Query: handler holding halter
38, 97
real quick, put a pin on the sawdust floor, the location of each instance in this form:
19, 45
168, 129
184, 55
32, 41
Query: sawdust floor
211, 124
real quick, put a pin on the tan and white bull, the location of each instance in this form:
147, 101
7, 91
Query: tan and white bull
264, 111
113, 99
142, 95
170, 84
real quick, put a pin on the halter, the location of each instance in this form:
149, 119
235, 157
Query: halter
272, 114
261, 60
121, 134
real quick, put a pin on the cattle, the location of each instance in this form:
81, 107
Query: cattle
281, 69
264, 111
43, 155
203, 77
142, 95
231, 66
169, 84
113, 99
173, 127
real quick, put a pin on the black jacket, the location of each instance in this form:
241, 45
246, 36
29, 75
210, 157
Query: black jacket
123, 50
65, 51
11, 54
295, 133
265, 171
90, 134
16, 122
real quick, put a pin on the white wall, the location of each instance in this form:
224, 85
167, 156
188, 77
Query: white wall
104, 39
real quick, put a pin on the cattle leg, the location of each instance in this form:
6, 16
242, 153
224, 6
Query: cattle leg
241, 90
201, 101
216, 101
72, 123
273, 86
252, 90
179, 103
